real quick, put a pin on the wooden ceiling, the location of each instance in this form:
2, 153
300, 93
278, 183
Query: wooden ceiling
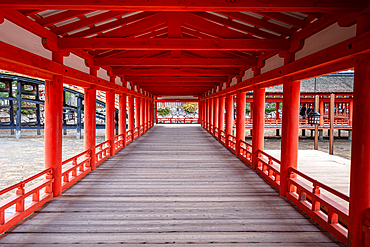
186, 48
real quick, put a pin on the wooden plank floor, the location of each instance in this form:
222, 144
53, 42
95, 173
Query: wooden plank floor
176, 185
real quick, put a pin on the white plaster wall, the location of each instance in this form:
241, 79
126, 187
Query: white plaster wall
233, 81
102, 73
247, 74
272, 63
118, 81
13, 34
76, 62
329, 36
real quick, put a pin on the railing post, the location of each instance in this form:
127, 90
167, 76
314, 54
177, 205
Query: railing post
240, 120
19, 207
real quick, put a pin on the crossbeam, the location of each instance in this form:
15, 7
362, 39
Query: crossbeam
174, 44
176, 72
176, 62
176, 78
190, 5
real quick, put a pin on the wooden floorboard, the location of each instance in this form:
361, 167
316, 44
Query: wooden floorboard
176, 185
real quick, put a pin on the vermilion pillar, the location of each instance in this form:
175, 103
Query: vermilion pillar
215, 115
277, 110
350, 117
258, 123
240, 120
211, 113
122, 117
137, 114
148, 109
208, 114
109, 119
359, 195
155, 112
221, 118
145, 120
142, 120
131, 113
53, 130
200, 113
290, 128
322, 112
229, 115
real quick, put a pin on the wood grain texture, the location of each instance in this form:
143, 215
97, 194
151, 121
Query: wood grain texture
174, 185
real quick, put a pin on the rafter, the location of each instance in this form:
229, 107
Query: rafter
176, 72
61, 17
200, 5
174, 62
174, 44
215, 79
285, 19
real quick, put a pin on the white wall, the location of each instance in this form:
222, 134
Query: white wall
272, 63
76, 62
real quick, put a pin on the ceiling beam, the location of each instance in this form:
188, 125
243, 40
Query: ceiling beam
177, 72
216, 79
176, 62
174, 44
199, 5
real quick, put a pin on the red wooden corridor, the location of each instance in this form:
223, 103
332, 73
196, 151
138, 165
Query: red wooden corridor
174, 185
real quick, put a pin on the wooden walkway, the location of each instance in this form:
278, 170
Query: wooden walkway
176, 185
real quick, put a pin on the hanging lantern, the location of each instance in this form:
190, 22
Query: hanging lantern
314, 118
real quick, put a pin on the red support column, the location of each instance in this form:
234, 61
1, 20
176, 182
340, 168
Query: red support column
131, 113
142, 114
240, 120
155, 113
53, 130
137, 114
258, 123
290, 128
109, 119
359, 195
208, 115
122, 117
350, 117
90, 120
221, 119
211, 113
215, 115
277, 110
145, 119
229, 115
322, 112
200, 113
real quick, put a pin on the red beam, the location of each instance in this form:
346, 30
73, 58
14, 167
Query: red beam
174, 44
199, 5
50, 20
177, 79
175, 62
176, 72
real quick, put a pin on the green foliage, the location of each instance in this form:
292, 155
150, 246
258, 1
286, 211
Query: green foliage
190, 107
28, 112
163, 112
270, 108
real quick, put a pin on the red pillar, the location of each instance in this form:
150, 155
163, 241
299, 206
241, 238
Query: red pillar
221, 118
211, 113
53, 126
359, 195
258, 123
131, 113
322, 112
109, 119
277, 110
142, 120
290, 128
155, 112
122, 117
215, 115
90, 120
350, 117
208, 115
200, 113
240, 120
137, 114
145, 119
229, 115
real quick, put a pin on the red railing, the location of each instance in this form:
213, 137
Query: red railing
141, 129
23, 206
136, 133
80, 166
246, 152
103, 151
118, 142
211, 129
223, 137
269, 167
328, 213
216, 132
231, 142
178, 120
129, 136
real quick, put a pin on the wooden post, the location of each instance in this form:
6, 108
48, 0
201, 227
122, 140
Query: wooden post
277, 110
331, 132
155, 114
109, 119
240, 120
258, 123
229, 116
290, 131
19, 111
38, 112
316, 126
137, 113
322, 112
122, 117
350, 117
215, 115
131, 113
211, 113
221, 119
79, 122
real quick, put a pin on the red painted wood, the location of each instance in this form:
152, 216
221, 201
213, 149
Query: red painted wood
221, 118
215, 115
258, 123
240, 120
137, 112
109, 119
290, 128
122, 117
90, 123
229, 116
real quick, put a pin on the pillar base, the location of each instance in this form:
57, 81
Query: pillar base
18, 134
38, 132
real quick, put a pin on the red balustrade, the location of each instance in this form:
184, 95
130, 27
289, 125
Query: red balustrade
269, 167
231, 143
245, 152
178, 121
328, 213
23, 207
211, 128
216, 132
129, 136
141, 129
80, 166
118, 142
223, 137
136, 133
103, 151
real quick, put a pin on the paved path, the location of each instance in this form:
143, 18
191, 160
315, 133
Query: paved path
174, 185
